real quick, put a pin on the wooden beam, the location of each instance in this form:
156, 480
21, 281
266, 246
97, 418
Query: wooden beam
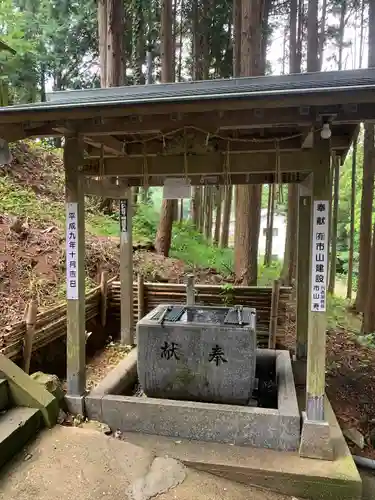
193, 165
126, 269
202, 144
223, 180
317, 320
105, 188
75, 245
110, 144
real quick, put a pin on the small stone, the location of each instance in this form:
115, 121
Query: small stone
178, 442
61, 417
50, 382
78, 420
355, 436
97, 426
117, 435
28, 456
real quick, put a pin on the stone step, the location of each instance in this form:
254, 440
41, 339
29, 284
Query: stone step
17, 426
4, 395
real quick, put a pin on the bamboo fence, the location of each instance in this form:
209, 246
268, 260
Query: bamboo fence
104, 300
275, 324
49, 326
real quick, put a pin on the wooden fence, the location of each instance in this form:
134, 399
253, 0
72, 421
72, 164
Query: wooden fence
215, 295
47, 326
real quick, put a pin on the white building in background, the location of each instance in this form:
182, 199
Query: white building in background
279, 234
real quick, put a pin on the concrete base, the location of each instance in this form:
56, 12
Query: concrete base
72, 463
316, 440
242, 425
24, 391
281, 472
75, 404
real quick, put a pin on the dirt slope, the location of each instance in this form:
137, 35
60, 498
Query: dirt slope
32, 235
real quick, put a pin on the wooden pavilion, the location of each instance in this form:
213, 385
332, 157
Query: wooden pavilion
237, 131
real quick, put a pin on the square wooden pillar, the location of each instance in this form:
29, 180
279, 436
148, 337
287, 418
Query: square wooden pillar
126, 269
315, 439
303, 266
75, 267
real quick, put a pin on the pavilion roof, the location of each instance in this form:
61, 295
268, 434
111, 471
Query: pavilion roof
262, 87
163, 129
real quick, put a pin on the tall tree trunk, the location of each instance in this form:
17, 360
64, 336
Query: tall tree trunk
237, 13
367, 186
137, 41
102, 32
218, 203
352, 220
312, 36
208, 206
164, 233
226, 216
288, 273
195, 205
249, 197
270, 217
335, 211
115, 46
293, 61
341, 33
361, 35
290, 255
322, 34
179, 71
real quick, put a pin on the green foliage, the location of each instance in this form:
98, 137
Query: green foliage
227, 294
343, 229
145, 222
54, 40
266, 275
339, 316
190, 246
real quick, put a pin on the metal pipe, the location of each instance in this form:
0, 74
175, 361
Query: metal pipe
364, 462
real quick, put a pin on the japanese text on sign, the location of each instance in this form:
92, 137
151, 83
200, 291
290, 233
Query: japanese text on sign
71, 251
124, 220
170, 350
319, 256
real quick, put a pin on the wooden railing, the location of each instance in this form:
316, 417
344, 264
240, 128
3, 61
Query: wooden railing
38, 330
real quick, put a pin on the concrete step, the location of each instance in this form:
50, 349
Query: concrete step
4, 395
17, 426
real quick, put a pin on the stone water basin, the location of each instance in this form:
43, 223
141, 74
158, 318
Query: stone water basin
197, 353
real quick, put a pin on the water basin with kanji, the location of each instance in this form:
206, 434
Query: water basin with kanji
198, 353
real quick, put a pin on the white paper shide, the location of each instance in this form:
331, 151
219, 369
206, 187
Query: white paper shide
72, 251
319, 256
176, 188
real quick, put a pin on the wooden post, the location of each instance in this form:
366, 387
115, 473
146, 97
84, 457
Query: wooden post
75, 264
303, 266
103, 297
32, 312
141, 297
126, 270
274, 314
317, 320
190, 292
